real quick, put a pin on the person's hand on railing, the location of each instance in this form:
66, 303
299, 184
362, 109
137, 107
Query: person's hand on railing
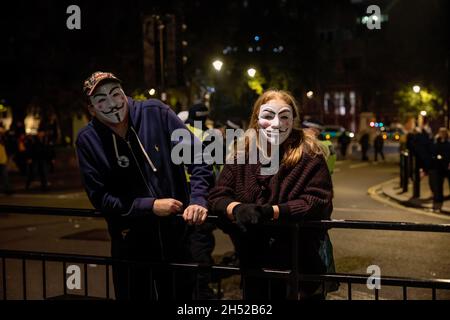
246, 213
249, 213
166, 207
195, 214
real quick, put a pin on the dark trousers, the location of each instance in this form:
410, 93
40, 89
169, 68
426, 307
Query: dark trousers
344, 150
147, 278
21, 161
364, 150
436, 181
4, 177
380, 152
202, 243
41, 168
255, 288
139, 282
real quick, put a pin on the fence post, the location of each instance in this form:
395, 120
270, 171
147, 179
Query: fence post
402, 167
404, 175
293, 279
416, 179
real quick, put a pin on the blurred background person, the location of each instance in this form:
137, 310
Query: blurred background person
364, 142
38, 158
4, 163
202, 239
440, 168
344, 141
378, 145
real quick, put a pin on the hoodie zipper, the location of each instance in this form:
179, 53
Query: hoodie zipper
150, 190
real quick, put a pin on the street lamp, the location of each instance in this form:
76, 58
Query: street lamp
310, 94
152, 92
420, 118
217, 64
251, 72
416, 89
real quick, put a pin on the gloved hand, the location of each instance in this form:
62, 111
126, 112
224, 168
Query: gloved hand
249, 213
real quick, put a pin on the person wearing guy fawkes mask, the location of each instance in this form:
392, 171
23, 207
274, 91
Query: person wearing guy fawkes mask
124, 155
300, 189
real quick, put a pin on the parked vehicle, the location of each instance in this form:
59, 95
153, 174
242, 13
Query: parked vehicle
393, 134
332, 132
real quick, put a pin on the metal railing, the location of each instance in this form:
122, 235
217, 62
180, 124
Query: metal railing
291, 276
409, 169
405, 166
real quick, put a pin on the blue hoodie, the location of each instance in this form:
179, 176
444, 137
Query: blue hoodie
123, 194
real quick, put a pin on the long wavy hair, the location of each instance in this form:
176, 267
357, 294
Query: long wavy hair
299, 141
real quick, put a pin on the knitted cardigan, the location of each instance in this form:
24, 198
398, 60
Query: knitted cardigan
302, 192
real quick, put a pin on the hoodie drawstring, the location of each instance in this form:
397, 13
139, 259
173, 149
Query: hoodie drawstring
142, 148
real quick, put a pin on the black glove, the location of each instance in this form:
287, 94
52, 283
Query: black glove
221, 206
246, 213
266, 212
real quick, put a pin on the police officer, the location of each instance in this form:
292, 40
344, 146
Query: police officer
317, 128
202, 239
440, 168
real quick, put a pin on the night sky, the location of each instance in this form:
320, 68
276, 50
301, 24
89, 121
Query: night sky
41, 57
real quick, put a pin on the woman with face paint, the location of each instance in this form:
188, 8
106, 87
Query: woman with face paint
300, 189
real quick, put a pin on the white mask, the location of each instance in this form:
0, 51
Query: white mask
275, 120
110, 103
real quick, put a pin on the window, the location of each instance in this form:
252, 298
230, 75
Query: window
326, 98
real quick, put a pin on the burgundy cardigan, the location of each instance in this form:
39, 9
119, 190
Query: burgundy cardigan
304, 191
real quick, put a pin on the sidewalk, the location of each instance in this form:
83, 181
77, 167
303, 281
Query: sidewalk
393, 190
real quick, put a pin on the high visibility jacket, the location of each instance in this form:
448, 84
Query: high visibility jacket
3, 155
202, 135
331, 159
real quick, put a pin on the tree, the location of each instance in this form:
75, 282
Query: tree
412, 103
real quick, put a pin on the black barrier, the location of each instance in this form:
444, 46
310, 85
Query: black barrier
404, 170
416, 178
291, 276
409, 169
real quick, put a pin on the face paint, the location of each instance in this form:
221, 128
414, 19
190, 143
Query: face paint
275, 121
110, 103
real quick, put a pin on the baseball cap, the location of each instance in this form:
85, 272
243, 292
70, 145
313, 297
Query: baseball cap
198, 112
94, 80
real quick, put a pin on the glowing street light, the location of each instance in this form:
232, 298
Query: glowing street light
416, 89
310, 94
421, 118
152, 92
251, 72
217, 65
